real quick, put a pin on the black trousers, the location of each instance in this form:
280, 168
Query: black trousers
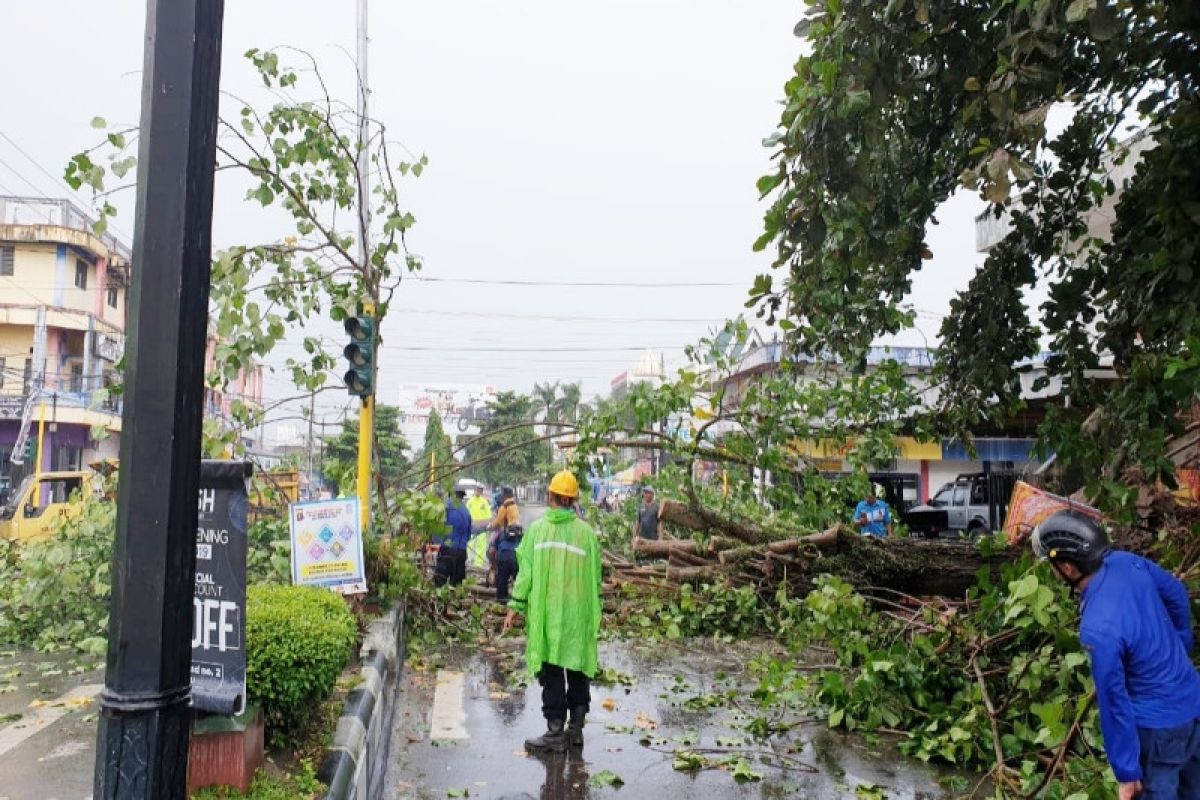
451, 566
506, 573
563, 689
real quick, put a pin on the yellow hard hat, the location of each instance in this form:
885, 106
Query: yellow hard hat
564, 484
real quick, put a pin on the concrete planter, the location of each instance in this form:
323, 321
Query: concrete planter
355, 763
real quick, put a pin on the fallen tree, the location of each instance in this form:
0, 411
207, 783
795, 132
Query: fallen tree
911, 566
740, 553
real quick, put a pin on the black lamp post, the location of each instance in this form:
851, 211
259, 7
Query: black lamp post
144, 723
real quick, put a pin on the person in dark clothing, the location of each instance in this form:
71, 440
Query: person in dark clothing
1136, 624
647, 517
504, 555
451, 565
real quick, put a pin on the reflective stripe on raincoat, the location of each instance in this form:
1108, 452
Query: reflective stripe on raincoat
558, 591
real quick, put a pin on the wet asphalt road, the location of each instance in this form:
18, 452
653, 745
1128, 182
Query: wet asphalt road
47, 725
473, 740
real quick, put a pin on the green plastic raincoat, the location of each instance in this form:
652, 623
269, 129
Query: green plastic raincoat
558, 591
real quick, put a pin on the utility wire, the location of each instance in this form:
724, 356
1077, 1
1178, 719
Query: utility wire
633, 349
59, 181
549, 317
592, 284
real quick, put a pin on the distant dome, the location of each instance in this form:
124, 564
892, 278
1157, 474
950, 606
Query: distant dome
649, 366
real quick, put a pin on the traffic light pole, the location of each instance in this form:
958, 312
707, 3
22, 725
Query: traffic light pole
142, 739
366, 416
366, 435
366, 419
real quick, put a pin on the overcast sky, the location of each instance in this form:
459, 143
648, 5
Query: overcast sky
610, 141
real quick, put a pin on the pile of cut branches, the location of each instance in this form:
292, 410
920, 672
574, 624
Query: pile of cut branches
739, 554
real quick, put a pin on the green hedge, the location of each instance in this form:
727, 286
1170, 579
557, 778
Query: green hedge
298, 640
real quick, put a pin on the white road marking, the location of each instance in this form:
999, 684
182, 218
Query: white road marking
45, 716
448, 720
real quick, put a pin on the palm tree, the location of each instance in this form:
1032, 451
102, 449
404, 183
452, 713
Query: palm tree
546, 394
569, 402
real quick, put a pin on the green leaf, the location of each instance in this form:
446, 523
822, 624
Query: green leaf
458, 793
869, 791
741, 772
1024, 587
264, 195
99, 122
972, 84
605, 778
122, 167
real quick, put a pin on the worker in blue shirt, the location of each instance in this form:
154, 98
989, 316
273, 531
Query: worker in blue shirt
872, 516
1136, 624
452, 555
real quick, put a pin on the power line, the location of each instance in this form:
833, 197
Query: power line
59, 181
551, 317
591, 284
634, 349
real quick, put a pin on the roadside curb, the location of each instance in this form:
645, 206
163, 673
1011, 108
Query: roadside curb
355, 763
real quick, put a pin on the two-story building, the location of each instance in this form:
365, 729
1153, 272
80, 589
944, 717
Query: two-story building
62, 333
63, 292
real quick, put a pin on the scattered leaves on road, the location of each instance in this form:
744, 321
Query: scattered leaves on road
643, 721
605, 778
739, 769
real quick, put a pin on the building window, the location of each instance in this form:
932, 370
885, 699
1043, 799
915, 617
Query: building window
3, 366
27, 375
80, 273
7, 257
112, 297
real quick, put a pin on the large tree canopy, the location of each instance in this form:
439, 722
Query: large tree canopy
898, 105
390, 445
506, 449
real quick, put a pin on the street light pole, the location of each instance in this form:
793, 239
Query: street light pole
366, 421
142, 741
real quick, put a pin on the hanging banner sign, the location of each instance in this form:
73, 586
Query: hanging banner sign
219, 599
327, 546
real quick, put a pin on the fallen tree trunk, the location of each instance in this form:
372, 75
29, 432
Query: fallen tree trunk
697, 518
912, 566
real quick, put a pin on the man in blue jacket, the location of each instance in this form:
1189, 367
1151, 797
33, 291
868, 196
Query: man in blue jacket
452, 555
1136, 624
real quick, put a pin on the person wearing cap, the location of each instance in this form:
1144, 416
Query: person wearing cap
647, 525
451, 565
872, 515
1136, 625
558, 593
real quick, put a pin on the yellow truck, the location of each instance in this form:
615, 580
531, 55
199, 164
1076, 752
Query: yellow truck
34, 508
40, 501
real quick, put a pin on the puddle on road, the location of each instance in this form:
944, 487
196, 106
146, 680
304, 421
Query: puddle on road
637, 732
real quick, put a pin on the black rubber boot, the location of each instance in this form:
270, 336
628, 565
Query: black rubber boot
575, 726
554, 740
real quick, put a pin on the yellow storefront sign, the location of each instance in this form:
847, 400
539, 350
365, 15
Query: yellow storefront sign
829, 449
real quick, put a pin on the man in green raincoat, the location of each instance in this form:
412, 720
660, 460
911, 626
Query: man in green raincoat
558, 592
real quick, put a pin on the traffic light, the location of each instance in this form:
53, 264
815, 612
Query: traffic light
30, 450
360, 378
